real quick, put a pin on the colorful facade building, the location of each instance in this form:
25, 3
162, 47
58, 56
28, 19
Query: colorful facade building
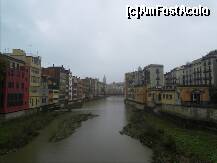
44, 91
129, 85
67, 73
194, 95
59, 75
115, 89
101, 88
88, 88
182, 95
53, 92
158, 96
34, 64
70, 90
80, 92
93, 88
14, 88
152, 76
140, 94
77, 89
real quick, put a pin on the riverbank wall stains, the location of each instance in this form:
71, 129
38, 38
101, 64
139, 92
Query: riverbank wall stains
190, 116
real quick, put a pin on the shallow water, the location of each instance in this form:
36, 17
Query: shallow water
97, 140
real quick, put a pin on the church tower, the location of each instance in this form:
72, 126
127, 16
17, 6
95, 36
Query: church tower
104, 79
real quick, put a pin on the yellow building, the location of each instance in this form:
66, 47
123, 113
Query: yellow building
169, 97
153, 96
53, 97
140, 94
162, 97
182, 95
34, 63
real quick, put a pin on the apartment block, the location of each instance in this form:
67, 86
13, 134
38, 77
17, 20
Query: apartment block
53, 91
77, 88
44, 91
202, 71
59, 77
14, 86
115, 89
154, 76
34, 64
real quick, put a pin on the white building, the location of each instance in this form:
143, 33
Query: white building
70, 87
154, 76
202, 71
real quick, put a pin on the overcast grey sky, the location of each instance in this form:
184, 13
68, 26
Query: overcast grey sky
95, 37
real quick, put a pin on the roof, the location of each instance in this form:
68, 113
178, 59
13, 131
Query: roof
153, 65
11, 58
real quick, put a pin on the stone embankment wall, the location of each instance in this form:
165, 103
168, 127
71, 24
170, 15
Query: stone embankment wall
192, 116
195, 113
134, 104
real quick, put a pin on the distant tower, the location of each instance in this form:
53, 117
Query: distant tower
139, 68
104, 79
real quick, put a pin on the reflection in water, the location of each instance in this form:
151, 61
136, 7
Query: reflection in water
98, 140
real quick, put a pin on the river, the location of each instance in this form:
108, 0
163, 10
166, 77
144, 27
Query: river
96, 141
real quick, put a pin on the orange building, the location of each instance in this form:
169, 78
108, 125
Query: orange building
140, 94
193, 94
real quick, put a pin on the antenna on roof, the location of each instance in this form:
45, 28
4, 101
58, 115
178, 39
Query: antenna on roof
30, 46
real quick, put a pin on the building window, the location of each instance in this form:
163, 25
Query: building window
13, 65
22, 85
44, 100
31, 101
17, 85
15, 100
1, 100
12, 73
9, 84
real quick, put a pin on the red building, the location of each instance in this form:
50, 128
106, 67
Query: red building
14, 86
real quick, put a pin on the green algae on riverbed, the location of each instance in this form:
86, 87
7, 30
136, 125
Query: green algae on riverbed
170, 142
69, 125
18, 132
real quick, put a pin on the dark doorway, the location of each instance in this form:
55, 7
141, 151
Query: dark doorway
195, 97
